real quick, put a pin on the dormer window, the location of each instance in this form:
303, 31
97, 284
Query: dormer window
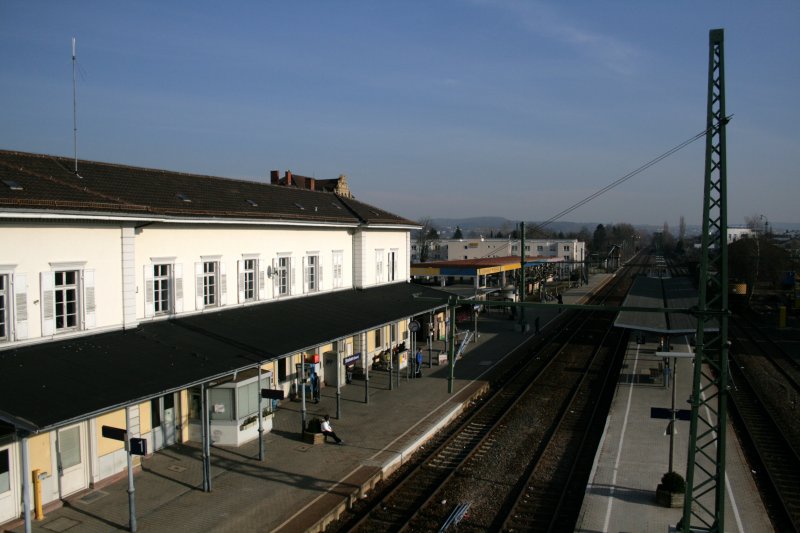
183, 198
252, 203
297, 205
13, 185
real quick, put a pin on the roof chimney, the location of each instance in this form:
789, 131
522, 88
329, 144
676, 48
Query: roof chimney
288, 178
274, 176
311, 183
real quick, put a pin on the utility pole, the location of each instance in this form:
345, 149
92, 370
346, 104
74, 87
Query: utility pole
522, 276
705, 469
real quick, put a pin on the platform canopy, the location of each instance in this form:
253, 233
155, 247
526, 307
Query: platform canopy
660, 293
479, 266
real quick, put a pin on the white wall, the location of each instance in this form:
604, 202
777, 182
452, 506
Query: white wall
116, 256
33, 248
385, 240
189, 244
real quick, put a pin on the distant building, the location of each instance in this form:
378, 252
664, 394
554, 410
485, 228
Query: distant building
734, 234
571, 251
337, 186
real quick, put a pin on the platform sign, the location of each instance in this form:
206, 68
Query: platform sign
138, 446
272, 394
665, 413
111, 432
353, 359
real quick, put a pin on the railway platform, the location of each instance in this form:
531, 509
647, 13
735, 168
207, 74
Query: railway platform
303, 487
634, 453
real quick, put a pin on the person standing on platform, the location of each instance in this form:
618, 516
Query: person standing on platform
327, 430
315, 386
418, 361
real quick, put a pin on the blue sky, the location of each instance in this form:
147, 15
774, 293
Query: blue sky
445, 109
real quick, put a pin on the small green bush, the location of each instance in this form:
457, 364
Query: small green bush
673, 482
314, 425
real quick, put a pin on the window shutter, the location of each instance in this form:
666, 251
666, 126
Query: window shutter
20, 306
178, 292
274, 278
223, 284
292, 276
149, 290
306, 269
319, 275
48, 283
240, 271
198, 284
89, 314
261, 280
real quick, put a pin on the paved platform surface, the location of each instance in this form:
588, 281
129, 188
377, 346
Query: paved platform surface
634, 454
300, 487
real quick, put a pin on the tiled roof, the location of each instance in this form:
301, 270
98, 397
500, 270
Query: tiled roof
48, 183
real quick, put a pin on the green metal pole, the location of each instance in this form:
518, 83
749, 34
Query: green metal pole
451, 351
705, 468
522, 275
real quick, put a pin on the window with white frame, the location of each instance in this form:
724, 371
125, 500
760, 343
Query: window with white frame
248, 279
311, 274
251, 278
162, 295
68, 301
4, 313
283, 276
566, 247
392, 265
163, 287
5, 472
540, 248
378, 266
338, 259
210, 283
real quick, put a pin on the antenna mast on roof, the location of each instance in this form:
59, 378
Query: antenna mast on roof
74, 110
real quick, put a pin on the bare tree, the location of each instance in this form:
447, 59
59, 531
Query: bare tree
427, 236
753, 222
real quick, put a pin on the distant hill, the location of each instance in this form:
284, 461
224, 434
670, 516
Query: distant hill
483, 225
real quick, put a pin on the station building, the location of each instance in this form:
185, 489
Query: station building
570, 252
133, 297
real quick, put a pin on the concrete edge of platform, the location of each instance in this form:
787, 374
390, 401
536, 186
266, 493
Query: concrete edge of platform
373, 475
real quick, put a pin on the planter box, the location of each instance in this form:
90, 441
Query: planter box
666, 498
313, 438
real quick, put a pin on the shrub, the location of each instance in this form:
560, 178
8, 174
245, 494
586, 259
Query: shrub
314, 425
673, 482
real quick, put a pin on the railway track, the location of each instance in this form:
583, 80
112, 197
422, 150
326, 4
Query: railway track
536, 423
548, 497
764, 399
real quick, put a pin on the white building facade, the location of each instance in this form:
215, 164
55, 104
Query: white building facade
571, 251
114, 249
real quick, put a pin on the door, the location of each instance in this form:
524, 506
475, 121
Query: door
168, 420
163, 416
72, 461
9, 498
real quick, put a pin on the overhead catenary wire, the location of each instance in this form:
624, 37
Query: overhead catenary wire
617, 182
621, 180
